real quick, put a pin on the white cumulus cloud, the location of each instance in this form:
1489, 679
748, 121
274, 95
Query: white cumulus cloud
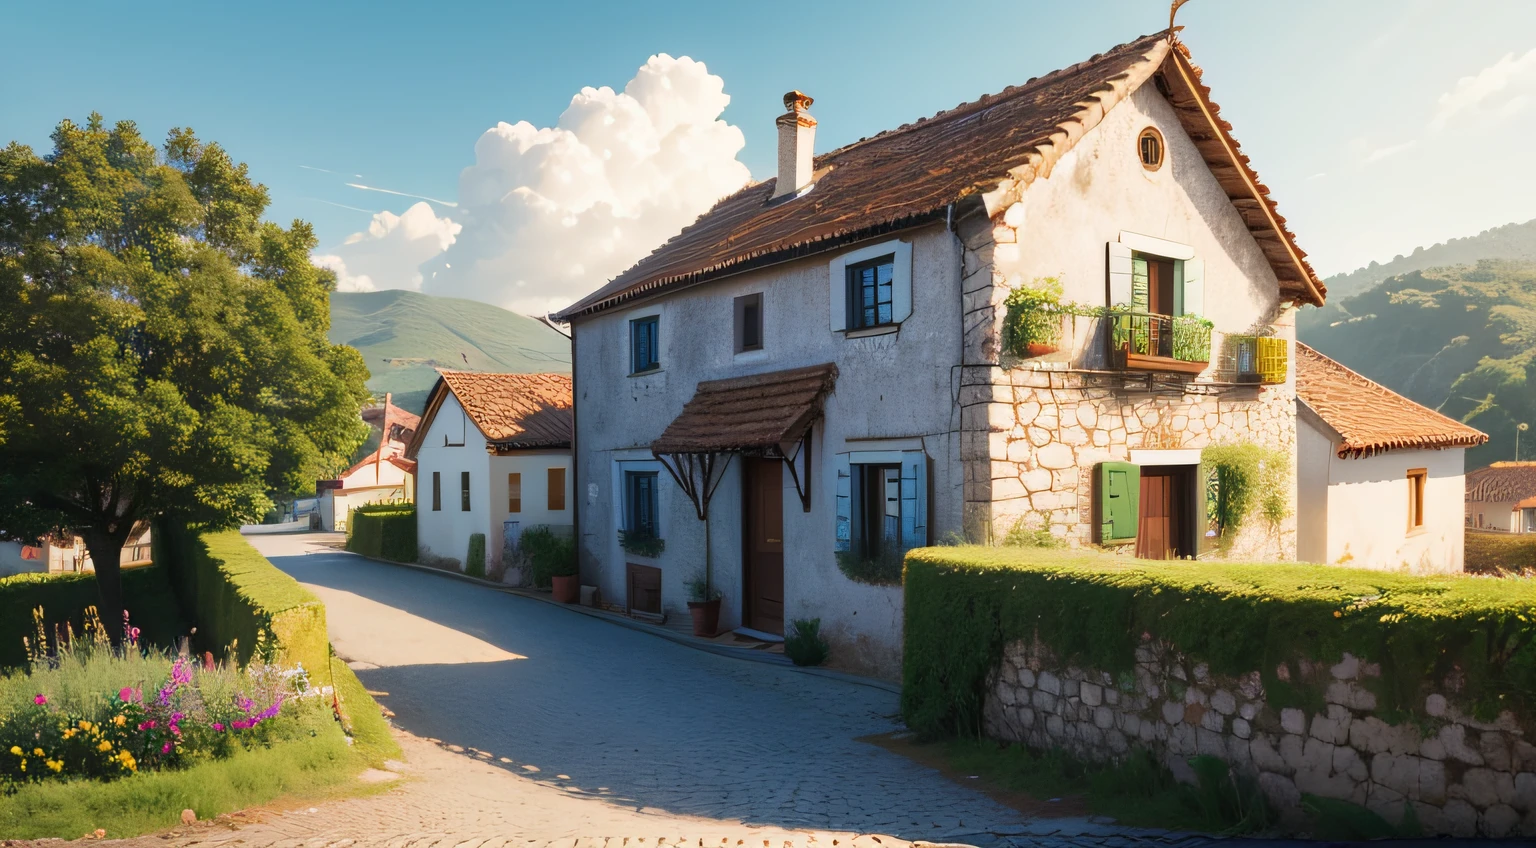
388, 255
1509, 84
552, 213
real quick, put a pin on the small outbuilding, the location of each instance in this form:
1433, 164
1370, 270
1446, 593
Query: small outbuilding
493, 456
1379, 478
1502, 497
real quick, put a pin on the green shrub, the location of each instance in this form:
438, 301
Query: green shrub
963, 604
642, 544
551, 554
882, 569
803, 644
474, 562
384, 531
241, 599
147, 596
1497, 552
1250, 478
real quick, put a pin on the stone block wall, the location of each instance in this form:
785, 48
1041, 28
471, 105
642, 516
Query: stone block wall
1461, 776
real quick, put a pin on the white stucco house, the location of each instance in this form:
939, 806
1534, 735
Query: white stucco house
493, 456
1502, 496
1380, 479
824, 365
383, 476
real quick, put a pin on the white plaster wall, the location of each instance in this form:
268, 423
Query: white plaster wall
534, 466
1314, 454
1368, 512
446, 532
12, 563
896, 386
1497, 515
1100, 188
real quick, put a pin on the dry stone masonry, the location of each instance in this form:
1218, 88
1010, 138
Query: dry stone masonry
1460, 776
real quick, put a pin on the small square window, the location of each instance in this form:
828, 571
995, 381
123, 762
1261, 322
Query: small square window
870, 296
644, 344
749, 322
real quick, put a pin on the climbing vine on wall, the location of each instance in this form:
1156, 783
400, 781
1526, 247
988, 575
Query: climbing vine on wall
1249, 480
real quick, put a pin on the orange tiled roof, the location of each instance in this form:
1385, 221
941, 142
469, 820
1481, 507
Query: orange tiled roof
1370, 417
1503, 481
512, 410
911, 175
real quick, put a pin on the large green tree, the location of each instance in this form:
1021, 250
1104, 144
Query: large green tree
163, 349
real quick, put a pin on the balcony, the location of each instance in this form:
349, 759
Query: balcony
1142, 341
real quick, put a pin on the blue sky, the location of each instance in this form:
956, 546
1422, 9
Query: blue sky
1339, 103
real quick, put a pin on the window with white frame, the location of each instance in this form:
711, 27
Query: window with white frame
871, 288
882, 502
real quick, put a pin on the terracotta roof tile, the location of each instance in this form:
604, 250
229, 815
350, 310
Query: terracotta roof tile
910, 176
750, 414
1369, 416
512, 410
1502, 481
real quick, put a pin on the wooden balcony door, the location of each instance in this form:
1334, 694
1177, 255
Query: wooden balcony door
1166, 526
763, 554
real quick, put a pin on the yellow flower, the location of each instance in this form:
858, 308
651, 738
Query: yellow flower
84, 725
70, 733
104, 746
37, 752
120, 721
56, 765
23, 765
16, 749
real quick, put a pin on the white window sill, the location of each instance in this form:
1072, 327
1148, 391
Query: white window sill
754, 355
647, 372
866, 332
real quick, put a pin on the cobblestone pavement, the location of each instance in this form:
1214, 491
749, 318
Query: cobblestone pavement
526, 724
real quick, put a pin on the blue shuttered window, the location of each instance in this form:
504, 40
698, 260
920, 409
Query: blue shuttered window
644, 344
881, 506
640, 503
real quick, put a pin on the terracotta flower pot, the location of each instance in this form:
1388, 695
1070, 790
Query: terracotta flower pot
1039, 349
567, 590
706, 617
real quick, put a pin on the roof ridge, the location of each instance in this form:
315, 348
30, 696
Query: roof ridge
1334, 363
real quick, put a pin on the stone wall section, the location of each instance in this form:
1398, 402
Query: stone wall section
1461, 776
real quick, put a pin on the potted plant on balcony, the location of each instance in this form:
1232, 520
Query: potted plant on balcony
1032, 326
704, 606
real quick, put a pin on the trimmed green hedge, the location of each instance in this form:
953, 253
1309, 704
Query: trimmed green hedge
963, 604
385, 531
147, 596
237, 593
1490, 552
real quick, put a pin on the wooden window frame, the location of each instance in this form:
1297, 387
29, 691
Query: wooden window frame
748, 320
514, 492
856, 287
1158, 146
437, 491
464, 491
637, 326
1418, 479
555, 478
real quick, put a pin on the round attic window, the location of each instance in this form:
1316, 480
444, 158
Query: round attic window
1149, 146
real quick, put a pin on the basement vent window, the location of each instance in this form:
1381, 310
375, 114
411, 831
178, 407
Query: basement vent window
1150, 147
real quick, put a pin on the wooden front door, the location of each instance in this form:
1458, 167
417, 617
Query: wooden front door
763, 556
1164, 529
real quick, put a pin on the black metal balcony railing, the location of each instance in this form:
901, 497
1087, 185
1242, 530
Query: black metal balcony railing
1182, 338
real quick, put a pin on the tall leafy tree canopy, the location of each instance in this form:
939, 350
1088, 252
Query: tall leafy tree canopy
163, 349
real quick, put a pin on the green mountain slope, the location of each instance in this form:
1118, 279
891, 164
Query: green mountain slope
405, 335
1461, 340
1511, 241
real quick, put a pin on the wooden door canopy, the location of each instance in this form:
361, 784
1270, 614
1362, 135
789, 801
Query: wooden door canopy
764, 415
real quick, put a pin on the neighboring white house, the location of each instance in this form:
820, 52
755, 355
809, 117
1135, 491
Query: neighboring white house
1380, 479
67, 553
493, 456
1502, 496
818, 364
384, 475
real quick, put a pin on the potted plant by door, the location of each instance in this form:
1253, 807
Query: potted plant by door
564, 582
704, 606
554, 558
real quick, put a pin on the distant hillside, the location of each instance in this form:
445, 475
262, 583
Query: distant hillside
1459, 339
1511, 241
405, 335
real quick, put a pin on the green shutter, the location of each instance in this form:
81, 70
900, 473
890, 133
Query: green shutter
1141, 285
1119, 500
1193, 288
1178, 287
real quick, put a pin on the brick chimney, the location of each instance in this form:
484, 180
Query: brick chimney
797, 144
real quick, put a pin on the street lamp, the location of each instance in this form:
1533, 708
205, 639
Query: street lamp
1519, 428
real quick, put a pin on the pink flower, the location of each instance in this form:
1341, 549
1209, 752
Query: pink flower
218, 728
125, 694
40, 699
166, 748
